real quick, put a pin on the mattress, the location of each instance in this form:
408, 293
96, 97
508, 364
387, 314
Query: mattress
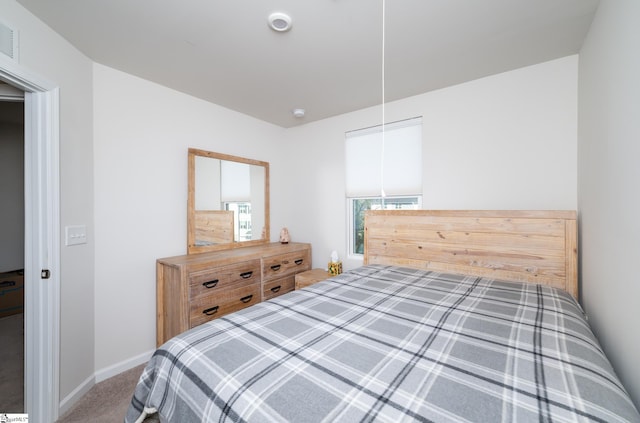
389, 344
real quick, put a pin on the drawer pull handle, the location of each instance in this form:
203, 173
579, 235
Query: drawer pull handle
299, 261
276, 288
246, 299
275, 267
210, 311
246, 275
211, 284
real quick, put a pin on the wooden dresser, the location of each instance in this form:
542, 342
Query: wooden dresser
196, 288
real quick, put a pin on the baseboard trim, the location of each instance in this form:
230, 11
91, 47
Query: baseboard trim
67, 402
123, 366
99, 376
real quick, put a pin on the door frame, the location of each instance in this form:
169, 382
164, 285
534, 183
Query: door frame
42, 240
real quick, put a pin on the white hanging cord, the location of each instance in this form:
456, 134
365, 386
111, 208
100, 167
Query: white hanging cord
382, 193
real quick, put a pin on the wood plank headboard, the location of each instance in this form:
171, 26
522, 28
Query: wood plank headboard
527, 246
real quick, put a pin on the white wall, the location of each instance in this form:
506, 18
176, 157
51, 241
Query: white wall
609, 177
12, 195
48, 55
142, 132
508, 141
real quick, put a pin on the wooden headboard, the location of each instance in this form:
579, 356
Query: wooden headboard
528, 246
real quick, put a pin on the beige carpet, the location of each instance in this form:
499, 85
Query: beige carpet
12, 364
107, 401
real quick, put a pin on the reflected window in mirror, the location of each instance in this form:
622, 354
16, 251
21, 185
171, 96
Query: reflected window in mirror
228, 201
242, 219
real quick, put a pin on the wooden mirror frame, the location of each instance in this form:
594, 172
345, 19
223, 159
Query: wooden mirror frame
192, 248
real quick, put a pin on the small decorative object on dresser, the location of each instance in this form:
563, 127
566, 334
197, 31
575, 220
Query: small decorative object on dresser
335, 265
284, 236
304, 279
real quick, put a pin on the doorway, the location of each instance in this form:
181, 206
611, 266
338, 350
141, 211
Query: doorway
12, 249
42, 240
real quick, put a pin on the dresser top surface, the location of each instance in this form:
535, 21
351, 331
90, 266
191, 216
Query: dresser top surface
241, 253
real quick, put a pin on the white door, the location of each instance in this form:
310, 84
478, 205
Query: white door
42, 241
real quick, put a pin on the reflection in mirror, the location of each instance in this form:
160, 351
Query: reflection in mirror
228, 201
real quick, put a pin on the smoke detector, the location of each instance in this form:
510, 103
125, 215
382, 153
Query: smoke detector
299, 113
280, 22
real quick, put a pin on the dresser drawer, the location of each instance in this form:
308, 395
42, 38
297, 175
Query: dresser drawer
224, 302
220, 278
277, 287
195, 288
281, 265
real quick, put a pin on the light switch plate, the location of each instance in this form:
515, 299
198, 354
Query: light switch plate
75, 235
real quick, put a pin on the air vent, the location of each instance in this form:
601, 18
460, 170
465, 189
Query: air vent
8, 41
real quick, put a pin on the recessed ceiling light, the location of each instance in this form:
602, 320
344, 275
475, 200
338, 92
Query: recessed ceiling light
280, 22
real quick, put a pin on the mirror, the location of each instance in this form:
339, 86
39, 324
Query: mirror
228, 202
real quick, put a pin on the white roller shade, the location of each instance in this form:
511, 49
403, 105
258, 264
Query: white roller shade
207, 188
393, 165
236, 181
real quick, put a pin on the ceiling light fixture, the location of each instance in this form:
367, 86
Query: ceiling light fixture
299, 113
280, 22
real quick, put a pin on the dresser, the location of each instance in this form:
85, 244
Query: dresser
193, 289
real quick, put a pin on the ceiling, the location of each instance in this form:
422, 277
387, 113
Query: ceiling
330, 62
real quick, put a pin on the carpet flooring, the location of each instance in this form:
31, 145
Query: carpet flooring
107, 401
12, 364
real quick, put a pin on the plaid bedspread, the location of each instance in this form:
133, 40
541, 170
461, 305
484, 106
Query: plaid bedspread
389, 344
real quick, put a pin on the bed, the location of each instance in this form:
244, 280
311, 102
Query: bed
454, 316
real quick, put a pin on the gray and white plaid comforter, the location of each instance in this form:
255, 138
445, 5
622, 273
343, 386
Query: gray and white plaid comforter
389, 344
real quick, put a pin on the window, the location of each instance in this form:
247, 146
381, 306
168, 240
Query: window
357, 207
383, 172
